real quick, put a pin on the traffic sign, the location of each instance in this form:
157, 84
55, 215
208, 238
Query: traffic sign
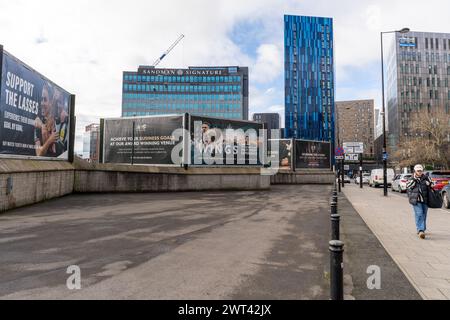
351, 157
339, 157
385, 156
353, 147
339, 151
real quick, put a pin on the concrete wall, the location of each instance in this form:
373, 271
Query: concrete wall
123, 178
304, 177
33, 181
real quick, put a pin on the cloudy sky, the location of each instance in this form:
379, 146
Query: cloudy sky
85, 45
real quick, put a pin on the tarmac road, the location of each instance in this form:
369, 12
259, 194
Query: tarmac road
208, 245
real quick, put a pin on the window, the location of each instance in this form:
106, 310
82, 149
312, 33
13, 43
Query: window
426, 43
431, 43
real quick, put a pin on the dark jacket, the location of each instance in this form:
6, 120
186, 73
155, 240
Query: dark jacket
418, 189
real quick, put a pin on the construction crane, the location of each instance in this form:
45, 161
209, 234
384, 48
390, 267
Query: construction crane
167, 51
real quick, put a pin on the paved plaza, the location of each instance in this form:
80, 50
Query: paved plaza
193, 245
426, 263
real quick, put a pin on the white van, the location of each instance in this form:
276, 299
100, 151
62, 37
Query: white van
376, 177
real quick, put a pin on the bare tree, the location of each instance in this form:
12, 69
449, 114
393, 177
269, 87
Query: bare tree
429, 141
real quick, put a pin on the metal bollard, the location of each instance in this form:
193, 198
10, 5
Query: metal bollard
333, 206
335, 230
335, 196
336, 270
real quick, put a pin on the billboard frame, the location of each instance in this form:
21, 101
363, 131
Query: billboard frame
71, 137
331, 155
224, 165
102, 136
292, 167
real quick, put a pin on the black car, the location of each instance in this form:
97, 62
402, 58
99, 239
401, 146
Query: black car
446, 196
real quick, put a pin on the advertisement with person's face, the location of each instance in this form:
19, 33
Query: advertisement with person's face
34, 113
283, 155
312, 154
224, 142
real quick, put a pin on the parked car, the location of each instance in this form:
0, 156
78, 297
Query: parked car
366, 177
376, 177
347, 179
440, 178
446, 196
399, 182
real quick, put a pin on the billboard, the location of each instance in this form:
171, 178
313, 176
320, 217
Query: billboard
216, 141
283, 154
312, 154
34, 112
154, 140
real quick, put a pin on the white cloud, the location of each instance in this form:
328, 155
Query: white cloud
86, 45
269, 64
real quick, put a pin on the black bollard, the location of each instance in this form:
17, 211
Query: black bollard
335, 196
335, 230
336, 270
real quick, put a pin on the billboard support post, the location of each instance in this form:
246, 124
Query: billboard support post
132, 146
101, 146
186, 141
72, 124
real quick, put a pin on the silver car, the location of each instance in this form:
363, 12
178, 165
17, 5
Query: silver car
399, 182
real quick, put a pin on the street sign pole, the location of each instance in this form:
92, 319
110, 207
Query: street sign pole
361, 170
342, 173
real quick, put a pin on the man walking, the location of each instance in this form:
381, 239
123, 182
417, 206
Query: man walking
417, 187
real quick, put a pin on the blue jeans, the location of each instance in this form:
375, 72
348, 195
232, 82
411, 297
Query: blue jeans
420, 212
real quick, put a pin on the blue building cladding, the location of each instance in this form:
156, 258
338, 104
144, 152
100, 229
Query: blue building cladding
206, 91
309, 78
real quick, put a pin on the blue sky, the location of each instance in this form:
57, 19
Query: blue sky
85, 45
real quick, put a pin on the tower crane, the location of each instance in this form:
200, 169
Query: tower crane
167, 51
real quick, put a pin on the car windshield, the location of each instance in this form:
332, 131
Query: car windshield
440, 175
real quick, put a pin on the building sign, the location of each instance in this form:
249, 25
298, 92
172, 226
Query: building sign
154, 140
34, 112
312, 154
182, 72
407, 42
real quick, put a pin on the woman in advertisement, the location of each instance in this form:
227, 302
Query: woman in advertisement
50, 132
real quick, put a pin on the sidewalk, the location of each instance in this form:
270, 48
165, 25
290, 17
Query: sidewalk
426, 263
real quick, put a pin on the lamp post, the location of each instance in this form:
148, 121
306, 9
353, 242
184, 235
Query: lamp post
404, 30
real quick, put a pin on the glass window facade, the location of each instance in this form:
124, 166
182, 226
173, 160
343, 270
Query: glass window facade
209, 91
406, 96
309, 78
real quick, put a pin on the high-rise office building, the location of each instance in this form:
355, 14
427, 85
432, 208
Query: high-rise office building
270, 120
210, 91
355, 123
417, 78
309, 78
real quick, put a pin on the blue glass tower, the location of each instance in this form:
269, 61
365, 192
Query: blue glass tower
309, 78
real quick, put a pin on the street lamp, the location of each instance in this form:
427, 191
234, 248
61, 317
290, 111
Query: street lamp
404, 30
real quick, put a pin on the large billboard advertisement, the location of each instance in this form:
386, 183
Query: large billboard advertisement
34, 112
312, 154
155, 140
283, 155
216, 141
